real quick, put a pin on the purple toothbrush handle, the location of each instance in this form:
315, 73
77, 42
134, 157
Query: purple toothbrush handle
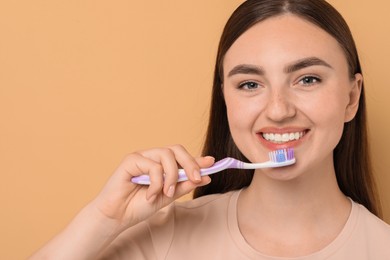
217, 167
221, 165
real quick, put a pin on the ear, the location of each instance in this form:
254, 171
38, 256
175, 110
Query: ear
354, 97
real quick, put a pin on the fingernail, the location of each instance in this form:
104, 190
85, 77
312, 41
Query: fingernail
171, 191
210, 157
197, 176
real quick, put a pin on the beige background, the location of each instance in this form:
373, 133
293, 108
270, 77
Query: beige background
82, 83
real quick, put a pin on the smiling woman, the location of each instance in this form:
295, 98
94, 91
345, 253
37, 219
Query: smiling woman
290, 91
287, 76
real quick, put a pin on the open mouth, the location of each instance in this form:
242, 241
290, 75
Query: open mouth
281, 138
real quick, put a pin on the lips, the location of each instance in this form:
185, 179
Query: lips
281, 138
276, 138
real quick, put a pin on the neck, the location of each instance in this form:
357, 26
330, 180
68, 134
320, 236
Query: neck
310, 190
306, 206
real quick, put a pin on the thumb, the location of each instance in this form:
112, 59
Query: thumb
205, 161
186, 187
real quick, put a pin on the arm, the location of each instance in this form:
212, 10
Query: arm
122, 204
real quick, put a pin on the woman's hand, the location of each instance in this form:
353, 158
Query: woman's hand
122, 204
127, 203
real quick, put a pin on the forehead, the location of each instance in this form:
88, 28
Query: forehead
283, 38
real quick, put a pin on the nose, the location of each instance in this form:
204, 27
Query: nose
280, 105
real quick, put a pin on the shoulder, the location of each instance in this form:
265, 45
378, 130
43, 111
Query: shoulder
374, 223
375, 231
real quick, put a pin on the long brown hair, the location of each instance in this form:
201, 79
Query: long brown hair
351, 155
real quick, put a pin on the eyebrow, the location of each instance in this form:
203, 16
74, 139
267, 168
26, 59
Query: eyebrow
295, 66
246, 69
306, 62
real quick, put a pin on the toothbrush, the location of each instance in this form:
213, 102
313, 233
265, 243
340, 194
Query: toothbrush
278, 158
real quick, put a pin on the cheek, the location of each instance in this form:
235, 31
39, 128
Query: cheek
328, 105
333, 125
241, 113
327, 115
236, 121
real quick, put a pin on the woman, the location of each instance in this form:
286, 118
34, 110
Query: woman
287, 76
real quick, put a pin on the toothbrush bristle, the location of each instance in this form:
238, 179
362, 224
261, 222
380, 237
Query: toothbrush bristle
290, 154
282, 155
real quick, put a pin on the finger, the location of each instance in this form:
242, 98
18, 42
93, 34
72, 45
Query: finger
131, 166
187, 162
169, 163
137, 164
186, 187
182, 188
205, 162
167, 158
156, 176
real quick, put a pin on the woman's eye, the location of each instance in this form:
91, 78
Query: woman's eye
249, 85
309, 80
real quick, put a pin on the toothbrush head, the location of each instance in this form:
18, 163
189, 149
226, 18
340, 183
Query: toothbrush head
282, 155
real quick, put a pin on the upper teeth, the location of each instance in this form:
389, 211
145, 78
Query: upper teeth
282, 138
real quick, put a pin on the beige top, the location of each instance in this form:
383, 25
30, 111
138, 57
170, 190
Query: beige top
207, 228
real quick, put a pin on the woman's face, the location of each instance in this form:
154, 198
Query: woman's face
287, 85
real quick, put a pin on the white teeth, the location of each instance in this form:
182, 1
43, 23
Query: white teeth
283, 138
